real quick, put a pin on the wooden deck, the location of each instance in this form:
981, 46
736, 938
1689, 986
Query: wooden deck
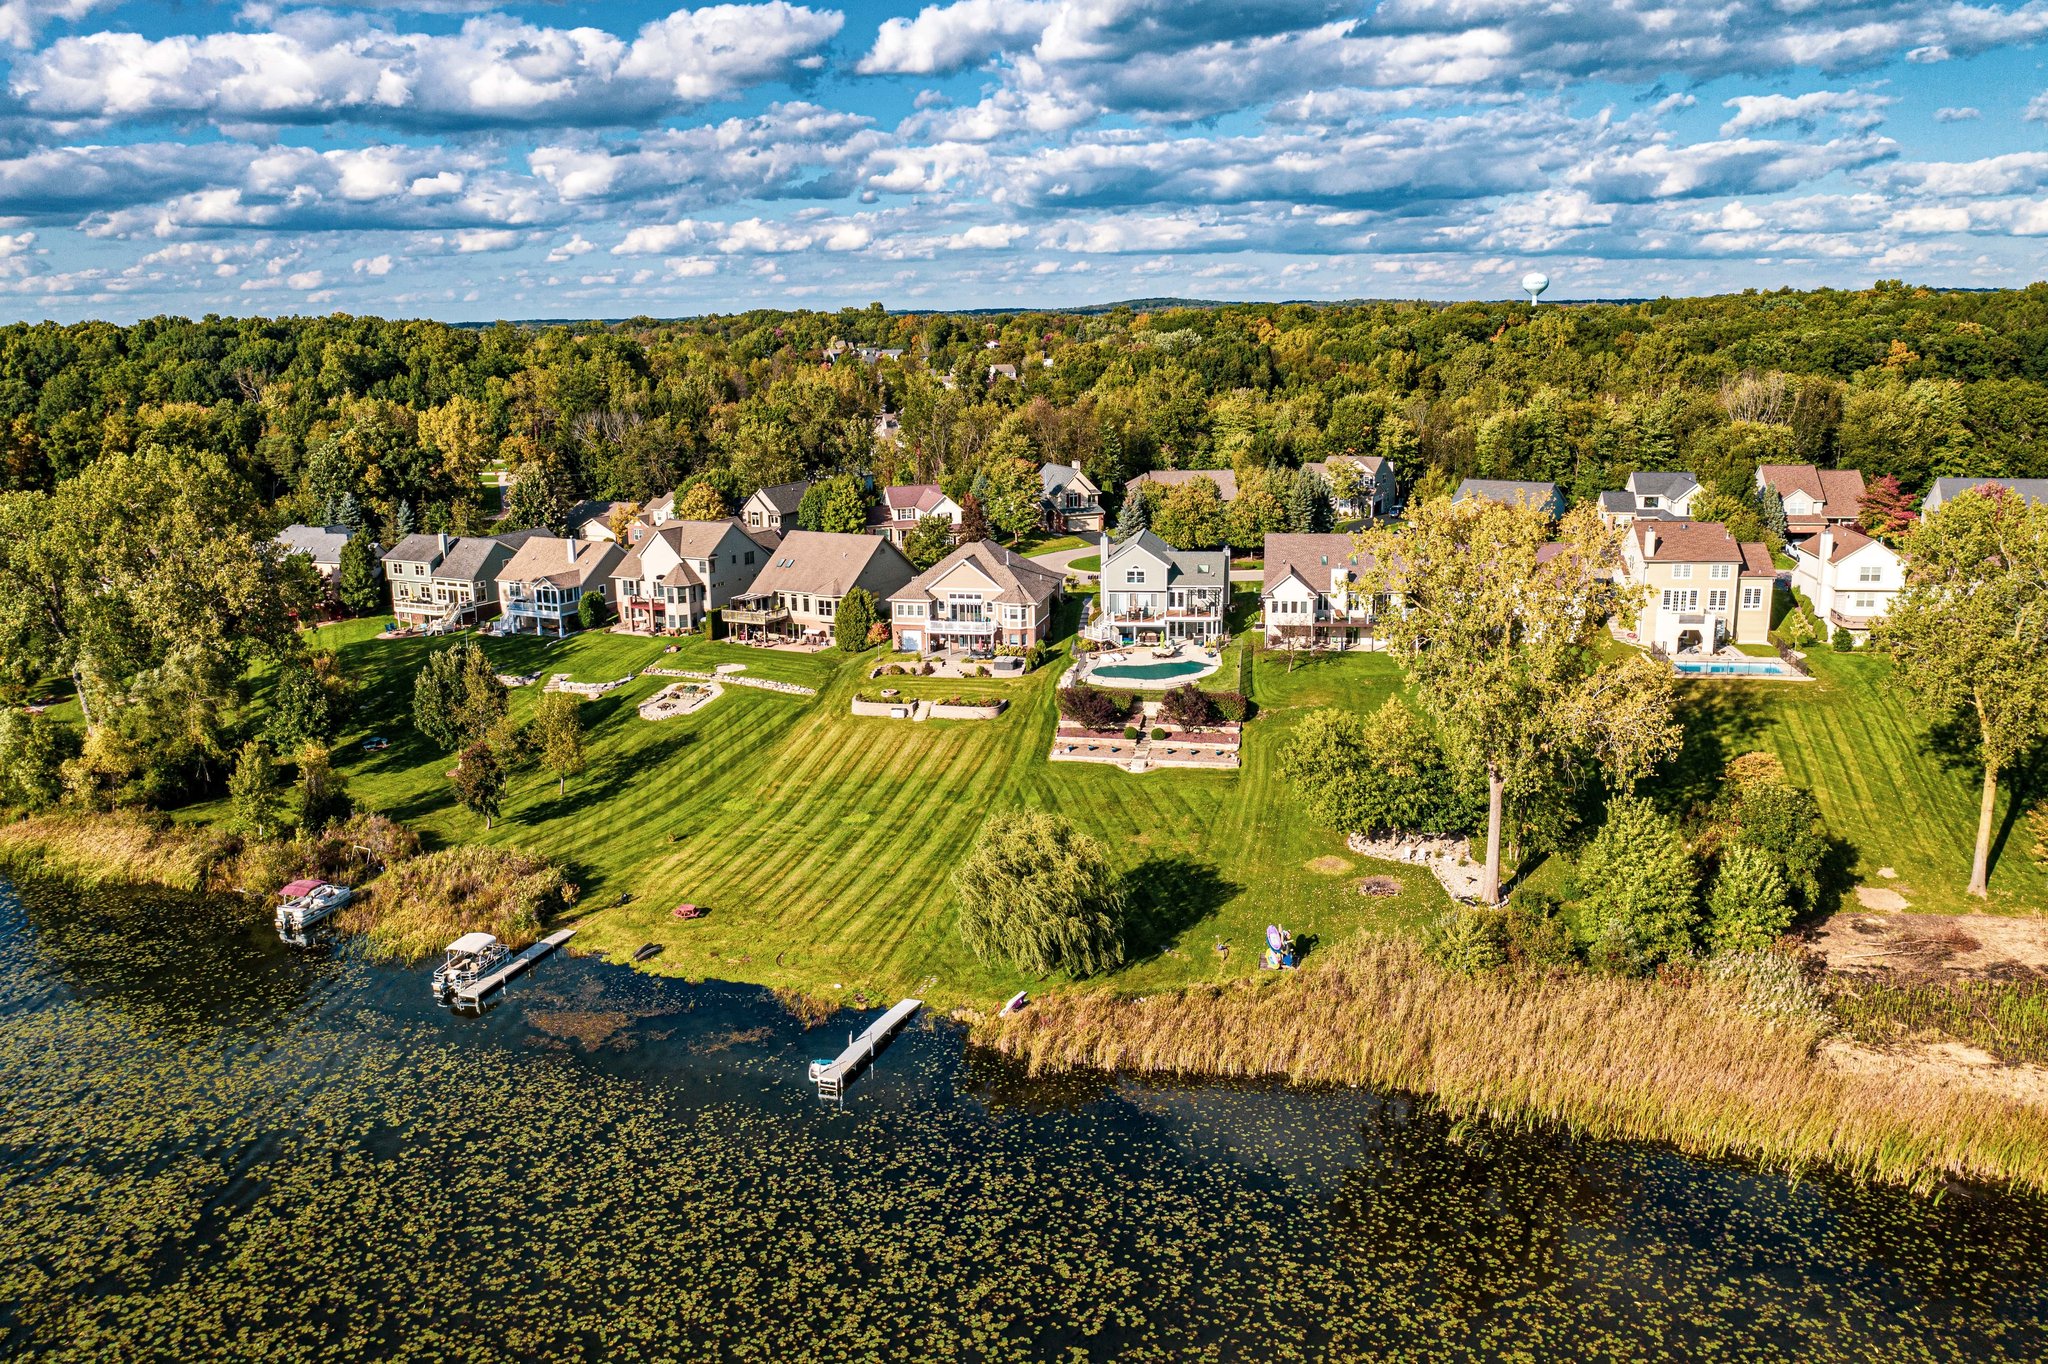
834, 1076
472, 996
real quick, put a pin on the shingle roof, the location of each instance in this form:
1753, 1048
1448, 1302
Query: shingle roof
566, 563
1021, 580
1667, 484
1687, 542
1224, 479
1510, 492
584, 512
1848, 540
1053, 477
819, 562
414, 549
472, 558
1200, 566
2029, 489
1842, 490
1791, 478
696, 539
1756, 560
321, 544
1310, 557
784, 497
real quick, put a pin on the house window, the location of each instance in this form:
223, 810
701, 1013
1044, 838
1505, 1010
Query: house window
1870, 573
1717, 600
1752, 598
1865, 605
1134, 577
1680, 572
1681, 599
1721, 572
750, 557
826, 605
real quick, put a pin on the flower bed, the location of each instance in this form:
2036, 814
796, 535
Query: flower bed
967, 708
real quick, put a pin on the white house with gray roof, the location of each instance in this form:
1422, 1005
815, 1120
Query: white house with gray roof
322, 545
773, 507
1651, 495
978, 598
675, 574
1151, 592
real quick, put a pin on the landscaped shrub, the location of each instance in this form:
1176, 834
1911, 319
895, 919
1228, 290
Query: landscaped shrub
1130, 731
1537, 934
1749, 905
1189, 707
714, 623
592, 610
894, 670
1467, 940
1092, 707
1844, 641
1641, 889
1158, 733
1231, 706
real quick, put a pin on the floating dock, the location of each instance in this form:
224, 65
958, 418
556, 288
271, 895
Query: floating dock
833, 1076
471, 996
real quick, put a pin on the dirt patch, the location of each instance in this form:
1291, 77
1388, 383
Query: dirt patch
1380, 886
1880, 897
1887, 873
1966, 944
1329, 865
1949, 1065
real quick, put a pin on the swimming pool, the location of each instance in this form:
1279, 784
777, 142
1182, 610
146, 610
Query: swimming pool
1763, 667
1152, 672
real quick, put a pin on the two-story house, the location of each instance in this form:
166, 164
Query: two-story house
1312, 596
903, 505
544, 582
1152, 592
680, 571
1850, 578
448, 580
773, 507
1813, 497
1651, 495
1377, 492
1703, 590
796, 594
1071, 502
978, 598
1509, 492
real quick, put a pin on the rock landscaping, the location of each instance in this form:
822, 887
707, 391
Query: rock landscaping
678, 698
1448, 859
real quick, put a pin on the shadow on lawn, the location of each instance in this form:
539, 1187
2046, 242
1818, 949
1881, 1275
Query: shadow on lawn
1722, 721
1164, 897
1955, 745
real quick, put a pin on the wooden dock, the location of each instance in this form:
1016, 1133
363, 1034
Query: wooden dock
835, 1075
472, 996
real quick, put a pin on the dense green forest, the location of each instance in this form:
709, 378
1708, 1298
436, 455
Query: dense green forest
1892, 380
144, 469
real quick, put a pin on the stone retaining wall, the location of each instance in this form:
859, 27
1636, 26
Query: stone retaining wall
941, 711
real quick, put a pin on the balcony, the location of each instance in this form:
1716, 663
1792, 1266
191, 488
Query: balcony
759, 612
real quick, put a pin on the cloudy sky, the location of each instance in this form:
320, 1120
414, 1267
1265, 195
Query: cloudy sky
467, 160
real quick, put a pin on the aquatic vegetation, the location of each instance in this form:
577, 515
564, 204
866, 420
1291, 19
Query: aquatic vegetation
352, 1173
1605, 1057
420, 906
2008, 1018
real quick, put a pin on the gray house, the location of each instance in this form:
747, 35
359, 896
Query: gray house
1151, 592
2033, 490
774, 507
446, 580
1543, 497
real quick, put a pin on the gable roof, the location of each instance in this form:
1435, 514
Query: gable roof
1022, 581
1224, 479
1370, 463
472, 558
1848, 540
1756, 561
1053, 477
1510, 492
1200, 566
1667, 484
923, 498
1840, 491
415, 549
633, 568
565, 562
820, 562
1686, 542
783, 497
1310, 558
321, 544
1948, 489
1790, 478
695, 539
583, 513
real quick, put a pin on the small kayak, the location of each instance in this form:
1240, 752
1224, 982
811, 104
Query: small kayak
1016, 1004
652, 949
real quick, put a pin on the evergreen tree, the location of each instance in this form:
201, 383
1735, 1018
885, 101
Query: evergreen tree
1772, 507
973, 521
1308, 504
358, 589
855, 619
1135, 514
1641, 889
401, 521
254, 792
348, 513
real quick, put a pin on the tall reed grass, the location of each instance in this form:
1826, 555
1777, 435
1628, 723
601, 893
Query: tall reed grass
419, 907
1635, 1060
110, 847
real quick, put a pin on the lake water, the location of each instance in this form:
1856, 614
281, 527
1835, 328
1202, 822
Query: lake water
212, 1146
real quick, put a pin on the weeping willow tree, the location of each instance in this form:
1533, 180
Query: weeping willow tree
1040, 896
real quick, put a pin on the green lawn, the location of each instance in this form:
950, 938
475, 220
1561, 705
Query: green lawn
822, 842
1087, 563
1041, 543
1884, 786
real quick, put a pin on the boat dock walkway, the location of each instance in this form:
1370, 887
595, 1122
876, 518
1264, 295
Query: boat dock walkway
835, 1075
471, 996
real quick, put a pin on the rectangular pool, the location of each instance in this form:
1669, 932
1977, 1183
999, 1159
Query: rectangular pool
1762, 667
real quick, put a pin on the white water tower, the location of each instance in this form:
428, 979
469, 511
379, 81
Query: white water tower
1533, 284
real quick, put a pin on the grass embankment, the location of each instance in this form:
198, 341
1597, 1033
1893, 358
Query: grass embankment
1607, 1058
115, 847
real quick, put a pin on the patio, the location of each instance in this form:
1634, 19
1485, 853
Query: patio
1147, 669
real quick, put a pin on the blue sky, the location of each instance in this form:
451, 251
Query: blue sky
468, 160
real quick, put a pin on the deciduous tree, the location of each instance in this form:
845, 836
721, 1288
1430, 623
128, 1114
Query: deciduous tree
929, 541
1641, 889
1038, 895
255, 792
558, 735
479, 782
702, 503
457, 697
1970, 634
1191, 515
